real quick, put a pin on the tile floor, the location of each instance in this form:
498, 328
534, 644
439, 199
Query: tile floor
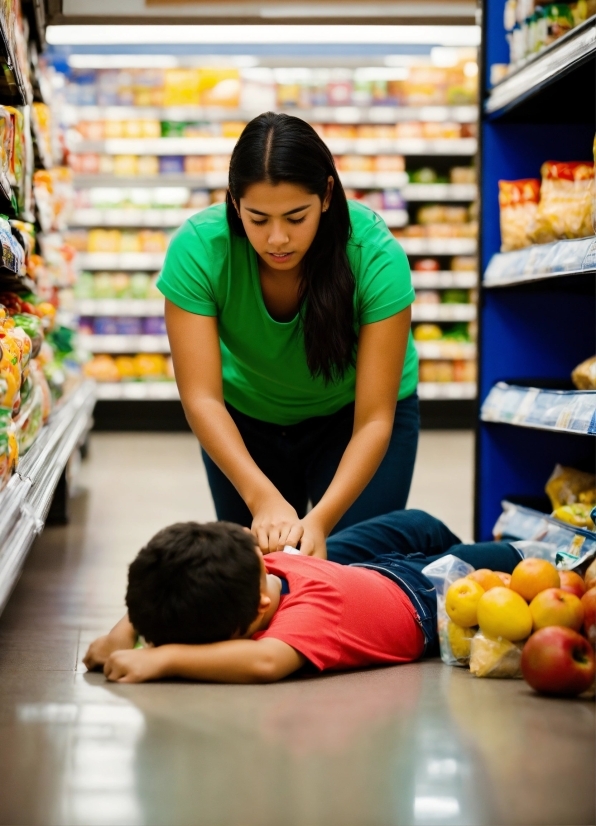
415, 745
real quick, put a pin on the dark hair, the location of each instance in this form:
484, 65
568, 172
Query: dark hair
194, 584
284, 149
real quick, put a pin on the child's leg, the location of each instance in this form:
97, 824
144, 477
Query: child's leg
409, 533
497, 556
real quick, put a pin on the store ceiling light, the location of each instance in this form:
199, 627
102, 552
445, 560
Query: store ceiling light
391, 35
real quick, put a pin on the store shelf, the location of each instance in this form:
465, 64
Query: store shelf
15, 283
316, 114
563, 56
444, 280
438, 246
138, 391
25, 501
131, 217
564, 411
394, 217
15, 88
208, 180
120, 260
440, 192
430, 391
569, 546
373, 180
224, 146
443, 312
542, 262
143, 307
446, 350
124, 344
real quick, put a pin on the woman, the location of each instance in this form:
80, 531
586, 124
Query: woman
288, 315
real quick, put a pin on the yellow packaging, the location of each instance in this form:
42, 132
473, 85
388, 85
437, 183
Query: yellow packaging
130, 242
104, 240
182, 87
150, 128
147, 165
113, 129
132, 128
219, 87
125, 165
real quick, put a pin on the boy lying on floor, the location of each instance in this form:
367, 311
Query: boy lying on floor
214, 608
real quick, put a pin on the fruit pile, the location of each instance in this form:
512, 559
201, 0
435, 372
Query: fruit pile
538, 622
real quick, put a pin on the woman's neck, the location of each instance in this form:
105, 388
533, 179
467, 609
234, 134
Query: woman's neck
281, 291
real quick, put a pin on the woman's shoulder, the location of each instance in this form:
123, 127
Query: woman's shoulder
210, 226
364, 221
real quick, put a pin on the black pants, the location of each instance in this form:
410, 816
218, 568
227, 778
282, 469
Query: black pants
301, 460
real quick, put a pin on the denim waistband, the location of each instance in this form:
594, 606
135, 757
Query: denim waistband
417, 587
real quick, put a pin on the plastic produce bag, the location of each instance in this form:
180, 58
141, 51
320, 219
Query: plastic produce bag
495, 658
9, 451
30, 419
454, 641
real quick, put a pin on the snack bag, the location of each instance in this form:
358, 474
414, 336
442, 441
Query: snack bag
495, 658
566, 198
518, 202
9, 451
30, 419
584, 375
454, 641
568, 486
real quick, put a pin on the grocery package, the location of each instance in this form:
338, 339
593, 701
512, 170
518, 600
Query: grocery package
573, 496
584, 375
9, 450
566, 200
518, 203
495, 657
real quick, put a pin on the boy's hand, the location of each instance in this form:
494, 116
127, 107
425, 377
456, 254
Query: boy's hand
135, 666
99, 651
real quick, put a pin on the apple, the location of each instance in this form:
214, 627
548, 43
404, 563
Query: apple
589, 606
572, 583
558, 660
556, 607
590, 575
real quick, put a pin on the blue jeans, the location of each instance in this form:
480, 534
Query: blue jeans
400, 544
301, 460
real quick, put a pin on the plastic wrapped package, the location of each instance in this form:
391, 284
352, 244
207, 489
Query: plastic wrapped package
567, 486
10, 370
33, 327
9, 449
5, 140
518, 203
566, 200
29, 421
584, 375
39, 379
495, 657
454, 642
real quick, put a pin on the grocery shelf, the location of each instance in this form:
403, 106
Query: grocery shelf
446, 350
564, 55
13, 282
120, 306
430, 390
109, 217
16, 89
316, 114
25, 501
124, 344
444, 280
373, 180
394, 217
440, 192
570, 546
137, 391
567, 411
443, 312
541, 262
208, 180
438, 246
120, 260
224, 146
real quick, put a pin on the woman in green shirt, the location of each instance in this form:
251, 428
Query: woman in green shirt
288, 315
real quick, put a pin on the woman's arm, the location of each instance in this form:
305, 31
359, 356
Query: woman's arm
233, 661
379, 364
194, 342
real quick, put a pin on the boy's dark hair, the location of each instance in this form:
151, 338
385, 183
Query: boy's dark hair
194, 584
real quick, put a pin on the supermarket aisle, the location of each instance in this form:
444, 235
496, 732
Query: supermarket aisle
417, 744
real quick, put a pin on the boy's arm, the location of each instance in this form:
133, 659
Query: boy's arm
233, 661
121, 636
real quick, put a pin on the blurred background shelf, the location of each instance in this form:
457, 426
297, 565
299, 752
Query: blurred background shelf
120, 260
120, 306
443, 312
429, 391
444, 279
124, 343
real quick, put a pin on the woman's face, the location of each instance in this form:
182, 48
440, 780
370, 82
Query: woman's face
281, 221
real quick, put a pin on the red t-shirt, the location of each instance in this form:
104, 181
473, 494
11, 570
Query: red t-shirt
339, 616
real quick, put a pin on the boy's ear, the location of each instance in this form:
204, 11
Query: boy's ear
264, 603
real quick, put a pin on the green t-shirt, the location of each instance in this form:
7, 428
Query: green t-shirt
210, 271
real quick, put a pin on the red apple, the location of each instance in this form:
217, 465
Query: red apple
590, 575
556, 607
557, 660
589, 605
572, 583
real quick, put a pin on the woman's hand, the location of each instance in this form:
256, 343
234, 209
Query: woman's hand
276, 524
313, 542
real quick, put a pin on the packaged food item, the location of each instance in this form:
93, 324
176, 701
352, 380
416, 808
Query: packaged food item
577, 515
464, 263
9, 449
584, 375
436, 371
147, 165
5, 140
454, 642
104, 240
428, 297
495, 657
126, 368
567, 486
558, 20
102, 368
427, 265
150, 365
518, 202
29, 421
39, 379
126, 165
33, 327
462, 175
427, 332
566, 199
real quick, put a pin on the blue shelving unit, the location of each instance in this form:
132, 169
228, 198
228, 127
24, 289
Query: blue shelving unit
537, 313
